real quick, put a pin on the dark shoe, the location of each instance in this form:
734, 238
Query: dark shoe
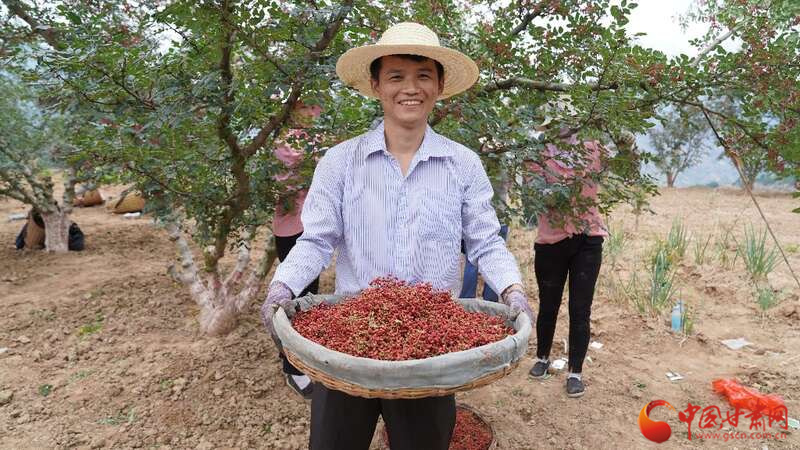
305, 393
539, 370
575, 387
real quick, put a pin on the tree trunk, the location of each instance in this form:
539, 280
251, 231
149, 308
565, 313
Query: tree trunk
670, 179
56, 229
220, 302
220, 316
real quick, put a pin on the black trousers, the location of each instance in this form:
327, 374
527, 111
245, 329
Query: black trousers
578, 257
342, 422
283, 244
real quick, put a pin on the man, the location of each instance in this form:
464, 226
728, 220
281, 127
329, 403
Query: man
397, 201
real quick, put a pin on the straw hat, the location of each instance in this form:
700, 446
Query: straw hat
460, 72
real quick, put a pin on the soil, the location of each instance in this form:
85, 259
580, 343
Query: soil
101, 349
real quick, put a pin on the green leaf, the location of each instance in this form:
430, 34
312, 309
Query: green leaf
45, 390
617, 13
73, 17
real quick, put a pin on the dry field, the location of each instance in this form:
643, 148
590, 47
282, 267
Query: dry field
103, 349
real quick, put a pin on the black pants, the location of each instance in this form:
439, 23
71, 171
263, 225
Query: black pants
343, 422
579, 257
283, 244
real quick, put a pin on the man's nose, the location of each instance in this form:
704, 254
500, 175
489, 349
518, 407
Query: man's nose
411, 86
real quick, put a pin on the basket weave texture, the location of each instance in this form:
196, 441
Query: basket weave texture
419, 378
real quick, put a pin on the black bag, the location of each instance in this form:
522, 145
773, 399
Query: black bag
21, 237
76, 239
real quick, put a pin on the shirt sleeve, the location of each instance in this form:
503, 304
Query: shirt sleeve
322, 225
481, 229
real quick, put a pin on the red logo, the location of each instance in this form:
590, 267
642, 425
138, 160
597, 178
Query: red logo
651, 429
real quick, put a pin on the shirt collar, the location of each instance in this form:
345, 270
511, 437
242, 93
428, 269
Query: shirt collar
433, 144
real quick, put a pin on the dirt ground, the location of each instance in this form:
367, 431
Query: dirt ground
100, 348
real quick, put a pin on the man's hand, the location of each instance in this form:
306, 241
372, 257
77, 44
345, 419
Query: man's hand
278, 295
515, 298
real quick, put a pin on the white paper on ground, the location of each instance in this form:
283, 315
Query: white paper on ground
559, 364
736, 344
674, 376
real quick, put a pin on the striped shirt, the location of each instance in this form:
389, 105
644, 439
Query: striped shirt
383, 223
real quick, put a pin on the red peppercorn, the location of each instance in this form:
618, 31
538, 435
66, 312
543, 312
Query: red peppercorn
393, 320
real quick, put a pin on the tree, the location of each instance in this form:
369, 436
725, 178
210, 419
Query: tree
759, 80
680, 142
186, 99
745, 154
29, 138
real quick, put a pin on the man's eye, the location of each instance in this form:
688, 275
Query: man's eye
424, 76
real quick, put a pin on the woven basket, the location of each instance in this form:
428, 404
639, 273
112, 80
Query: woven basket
430, 377
132, 202
492, 445
393, 394
89, 198
34, 235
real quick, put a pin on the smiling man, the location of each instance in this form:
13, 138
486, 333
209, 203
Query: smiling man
397, 201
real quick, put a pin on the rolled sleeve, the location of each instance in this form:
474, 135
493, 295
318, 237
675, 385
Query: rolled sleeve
322, 226
481, 229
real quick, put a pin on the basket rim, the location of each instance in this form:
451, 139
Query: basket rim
280, 314
396, 393
441, 374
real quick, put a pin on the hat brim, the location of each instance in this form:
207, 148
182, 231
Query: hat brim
460, 72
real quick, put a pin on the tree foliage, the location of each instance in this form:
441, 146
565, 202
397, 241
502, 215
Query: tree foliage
185, 99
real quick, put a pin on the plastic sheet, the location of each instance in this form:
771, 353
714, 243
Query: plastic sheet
748, 398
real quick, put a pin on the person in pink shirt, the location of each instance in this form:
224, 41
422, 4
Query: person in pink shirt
287, 227
568, 246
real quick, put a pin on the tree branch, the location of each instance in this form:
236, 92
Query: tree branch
738, 164
261, 50
228, 97
242, 260
188, 272
36, 196
723, 116
17, 195
239, 200
297, 85
69, 190
148, 103
257, 275
713, 45
542, 85
440, 113
528, 18
50, 35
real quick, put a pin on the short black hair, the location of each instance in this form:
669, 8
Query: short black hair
375, 66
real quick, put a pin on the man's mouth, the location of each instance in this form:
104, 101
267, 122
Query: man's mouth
411, 102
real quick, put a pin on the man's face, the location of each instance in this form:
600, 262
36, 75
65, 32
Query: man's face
407, 89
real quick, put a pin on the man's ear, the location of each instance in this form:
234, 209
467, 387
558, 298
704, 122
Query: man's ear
375, 86
441, 86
